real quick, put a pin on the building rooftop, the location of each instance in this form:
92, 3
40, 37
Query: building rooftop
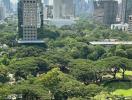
30, 42
111, 43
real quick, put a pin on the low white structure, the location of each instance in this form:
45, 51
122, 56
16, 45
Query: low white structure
123, 27
111, 43
30, 42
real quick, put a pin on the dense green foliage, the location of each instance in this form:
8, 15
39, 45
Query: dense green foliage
66, 67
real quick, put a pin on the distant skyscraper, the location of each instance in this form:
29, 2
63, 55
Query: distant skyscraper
126, 10
2, 11
48, 9
14, 7
83, 8
105, 11
46, 2
130, 23
30, 18
63, 9
7, 4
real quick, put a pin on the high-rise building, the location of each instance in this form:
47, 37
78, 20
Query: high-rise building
48, 9
7, 4
63, 9
111, 11
105, 11
14, 7
83, 8
2, 11
46, 2
130, 23
126, 10
30, 18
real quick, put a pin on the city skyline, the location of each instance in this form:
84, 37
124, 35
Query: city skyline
15, 1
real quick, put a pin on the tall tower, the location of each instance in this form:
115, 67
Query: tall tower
123, 10
2, 11
130, 23
63, 9
46, 2
83, 8
30, 19
126, 10
7, 4
110, 11
105, 11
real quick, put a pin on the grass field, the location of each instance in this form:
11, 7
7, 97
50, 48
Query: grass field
123, 92
117, 88
128, 74
121, 88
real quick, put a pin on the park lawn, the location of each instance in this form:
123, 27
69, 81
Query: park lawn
102, 96
120, 88
119, 85
127, 74
123, 92
118, 92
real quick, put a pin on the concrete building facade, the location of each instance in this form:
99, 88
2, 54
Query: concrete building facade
30, 18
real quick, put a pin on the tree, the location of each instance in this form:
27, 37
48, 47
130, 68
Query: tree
129, 53
121, 53
83, 70
29, 66
50, 32
31, 91
97, 53
81, 50
5, 60
23, 67
42, 65
113, 64
63, 86
5, 90
3, 74
29, 51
